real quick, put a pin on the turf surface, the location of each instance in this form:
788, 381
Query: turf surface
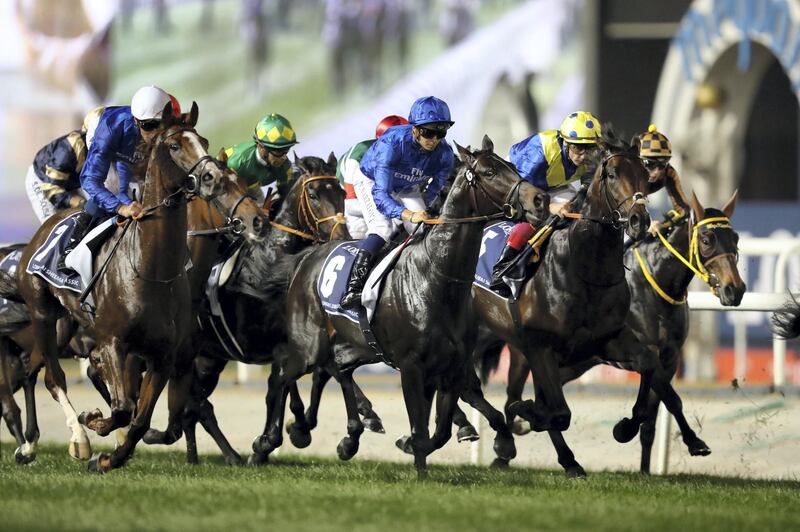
158, 491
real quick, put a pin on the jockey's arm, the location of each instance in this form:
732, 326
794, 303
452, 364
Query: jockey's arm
675, 191
440, 179
125, 175
381, 193
95, 170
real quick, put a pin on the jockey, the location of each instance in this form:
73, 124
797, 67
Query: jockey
554, 161
393, 169
113, 149
655, 151
263, 162
349, 167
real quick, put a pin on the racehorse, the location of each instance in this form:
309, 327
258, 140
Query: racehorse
253, 300
658, 272
576, 302
142, 299
421, 319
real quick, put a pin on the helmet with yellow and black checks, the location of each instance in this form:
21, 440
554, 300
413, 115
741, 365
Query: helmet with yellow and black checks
275, 131
654, 145
580, 127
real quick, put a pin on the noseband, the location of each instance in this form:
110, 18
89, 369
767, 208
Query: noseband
511, 207
306, 215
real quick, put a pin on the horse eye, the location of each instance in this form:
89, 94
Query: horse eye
313, 196
488, 174
174, 147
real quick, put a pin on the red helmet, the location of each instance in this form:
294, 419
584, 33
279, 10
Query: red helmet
389, 121
176, 106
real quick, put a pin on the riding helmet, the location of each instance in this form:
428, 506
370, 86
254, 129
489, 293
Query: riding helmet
428, 110
275, 131
580, 127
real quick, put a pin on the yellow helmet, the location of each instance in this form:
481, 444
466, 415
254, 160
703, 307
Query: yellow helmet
580, 127
654, 144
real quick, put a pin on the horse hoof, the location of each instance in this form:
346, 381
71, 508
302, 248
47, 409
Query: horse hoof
80, 450
84, 418
504, 448
261, 445
258, 459
699, 448
234, 460
374, 424
404, 444
520, 427
22, 458
347, 448
192, 459
499, 463
154, 437
625, 430
576, 472
299, 439
467, 433
96, 465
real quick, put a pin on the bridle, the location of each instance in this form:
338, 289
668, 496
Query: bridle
615, 217
308, 218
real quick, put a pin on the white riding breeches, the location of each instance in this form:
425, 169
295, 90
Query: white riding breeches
363, 216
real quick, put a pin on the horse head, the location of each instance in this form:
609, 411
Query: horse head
619, 189
496, 187
192, 170
713, 245
315, 203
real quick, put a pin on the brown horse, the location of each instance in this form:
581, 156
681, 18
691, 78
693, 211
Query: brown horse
575, 304
658, 314
143, 297
421, 319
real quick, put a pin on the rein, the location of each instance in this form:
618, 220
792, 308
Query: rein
309, 217
719, 222
232, 224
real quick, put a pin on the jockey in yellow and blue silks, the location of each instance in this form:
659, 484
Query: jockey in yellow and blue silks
113, 148
393, 170
551, 160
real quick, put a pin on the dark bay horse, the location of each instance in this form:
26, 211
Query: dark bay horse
422, 317
575, 304
253, 300
786, 322
143, 297
659, 315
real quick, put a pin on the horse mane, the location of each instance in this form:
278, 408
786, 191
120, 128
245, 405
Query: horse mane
614, 142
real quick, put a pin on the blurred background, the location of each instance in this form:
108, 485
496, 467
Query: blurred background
719, 78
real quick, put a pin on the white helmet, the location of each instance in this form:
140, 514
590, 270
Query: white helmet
148, 103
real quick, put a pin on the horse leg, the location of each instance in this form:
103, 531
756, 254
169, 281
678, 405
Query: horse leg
31, 420
550, 410
566, 458
518, 371
446, 401
466, 432
504, 447
189, 425
209, 421
156, 377
298, 431
8, 406
672, 401
318, 382
93, 374
277, 391
417, 400
647, 435
348, 447
372, 421
46, 348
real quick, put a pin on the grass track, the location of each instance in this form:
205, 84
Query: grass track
158, 491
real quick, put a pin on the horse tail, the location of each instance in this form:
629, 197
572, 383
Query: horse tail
487, 353
786, 321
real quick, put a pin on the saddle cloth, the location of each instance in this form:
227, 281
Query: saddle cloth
45, 259
494, 237
12, 314
332, 282
220, 274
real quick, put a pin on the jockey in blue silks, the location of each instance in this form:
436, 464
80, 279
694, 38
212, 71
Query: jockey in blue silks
388, 187
113, 149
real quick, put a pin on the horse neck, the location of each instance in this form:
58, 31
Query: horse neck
284, 241
668, 271
202, 248
160, 243
451, 250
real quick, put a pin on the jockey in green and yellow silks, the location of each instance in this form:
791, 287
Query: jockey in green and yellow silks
551, 160
263, 162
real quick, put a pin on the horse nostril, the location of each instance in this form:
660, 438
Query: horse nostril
258, 224
207, 178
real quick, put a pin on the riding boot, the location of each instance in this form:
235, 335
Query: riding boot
507, 256
358, 276
82, 225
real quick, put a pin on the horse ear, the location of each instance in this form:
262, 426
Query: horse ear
731, 205
298, 162
697, 208
193, 115
166, 114
465, 154
487, 145
203, 142
332, 160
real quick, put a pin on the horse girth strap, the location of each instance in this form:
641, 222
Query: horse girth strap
653, 283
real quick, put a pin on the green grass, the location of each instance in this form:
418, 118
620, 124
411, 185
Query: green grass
158, 491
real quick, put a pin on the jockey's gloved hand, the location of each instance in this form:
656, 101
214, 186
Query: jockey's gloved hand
132, 210
414, 217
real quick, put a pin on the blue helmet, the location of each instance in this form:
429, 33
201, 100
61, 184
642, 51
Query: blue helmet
427, 110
